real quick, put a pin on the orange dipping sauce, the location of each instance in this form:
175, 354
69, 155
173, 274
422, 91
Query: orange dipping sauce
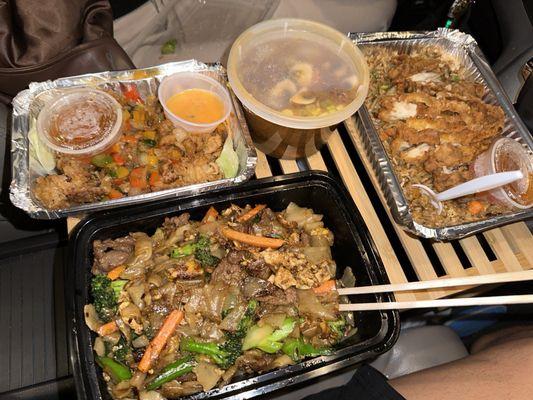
197, 106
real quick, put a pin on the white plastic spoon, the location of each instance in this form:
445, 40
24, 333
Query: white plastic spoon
475, 185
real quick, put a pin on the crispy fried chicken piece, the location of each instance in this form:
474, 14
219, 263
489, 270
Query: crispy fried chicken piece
412, 136
78, 183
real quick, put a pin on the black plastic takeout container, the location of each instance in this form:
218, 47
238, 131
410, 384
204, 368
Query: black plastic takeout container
377, 330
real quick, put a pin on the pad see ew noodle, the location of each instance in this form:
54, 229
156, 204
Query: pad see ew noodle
199, 304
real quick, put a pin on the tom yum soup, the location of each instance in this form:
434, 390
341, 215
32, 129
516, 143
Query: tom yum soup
299, 77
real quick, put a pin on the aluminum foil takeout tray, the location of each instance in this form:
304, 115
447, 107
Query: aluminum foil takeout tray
28, 103
464, 48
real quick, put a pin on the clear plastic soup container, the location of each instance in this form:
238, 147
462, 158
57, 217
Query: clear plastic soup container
182, 81
506, 154
275, 131
80, 122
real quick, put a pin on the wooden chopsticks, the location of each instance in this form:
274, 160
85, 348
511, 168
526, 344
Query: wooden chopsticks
437, 284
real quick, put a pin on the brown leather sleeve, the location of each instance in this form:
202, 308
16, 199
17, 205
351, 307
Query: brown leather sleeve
42, 40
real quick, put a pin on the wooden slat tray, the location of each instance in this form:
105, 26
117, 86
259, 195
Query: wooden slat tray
406, 257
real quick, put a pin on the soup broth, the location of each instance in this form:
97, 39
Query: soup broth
299, 77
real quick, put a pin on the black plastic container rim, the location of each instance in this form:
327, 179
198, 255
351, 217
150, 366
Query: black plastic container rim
83, 366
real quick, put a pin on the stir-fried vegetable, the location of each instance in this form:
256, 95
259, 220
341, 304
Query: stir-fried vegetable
118, 372
266, 338
172, 371
338, 327
200, 249
246, 308
298, 349
157, 344
226, 353
252, 213
108, 328
105, 293
257, 241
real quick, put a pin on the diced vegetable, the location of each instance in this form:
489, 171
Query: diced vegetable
149, 135
228, 161
116, 370
257, 241
118, 159
138, 178
154, 348
154, 178
172, 371
139, 116
131, 93
326, 287
122, 172
101, 160
115, 272
115, 194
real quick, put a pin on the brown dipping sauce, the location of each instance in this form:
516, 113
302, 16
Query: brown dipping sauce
520, 191
81, 124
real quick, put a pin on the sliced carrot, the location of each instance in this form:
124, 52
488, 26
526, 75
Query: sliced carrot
326, 287
115, 194
252, 213
107, 329
154, 178
129, 139
257, 241
475, 207
118, 159
210, 215
156, 345
138, 178
115, 272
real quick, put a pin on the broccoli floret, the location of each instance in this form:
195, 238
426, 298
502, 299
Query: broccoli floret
121, 351
225, 354
105, 293
338, 327
201, 252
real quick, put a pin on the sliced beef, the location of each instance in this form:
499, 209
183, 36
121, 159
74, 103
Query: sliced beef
111, 253
280, 297
171, 224
254, 361
228, 273
258, 268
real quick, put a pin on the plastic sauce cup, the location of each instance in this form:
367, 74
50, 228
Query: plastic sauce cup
503, 155
181, 81
85, 121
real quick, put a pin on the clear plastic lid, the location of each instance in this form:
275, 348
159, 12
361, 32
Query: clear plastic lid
298, 73
80, 122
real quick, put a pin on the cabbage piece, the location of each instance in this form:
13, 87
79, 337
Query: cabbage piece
228, 161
